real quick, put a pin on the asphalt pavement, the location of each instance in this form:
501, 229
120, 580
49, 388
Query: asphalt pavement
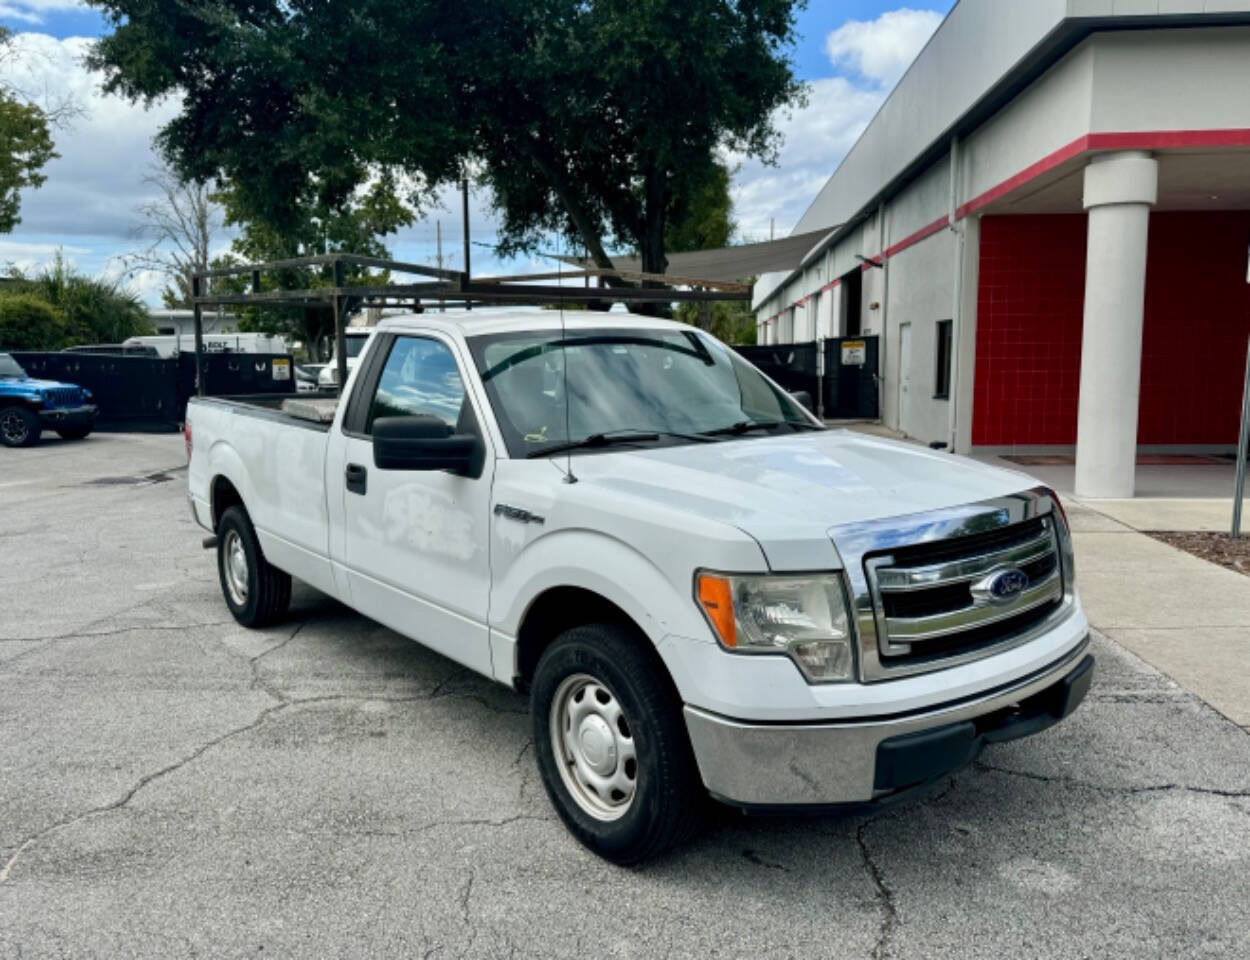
174, 785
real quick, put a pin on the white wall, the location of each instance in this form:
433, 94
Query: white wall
921, 293
1172, 80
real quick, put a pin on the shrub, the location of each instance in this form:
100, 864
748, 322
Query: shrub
28, 322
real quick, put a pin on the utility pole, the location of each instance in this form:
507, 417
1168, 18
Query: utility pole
772, 223
464, 209
438, 239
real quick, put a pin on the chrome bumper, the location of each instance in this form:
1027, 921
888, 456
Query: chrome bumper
824, 764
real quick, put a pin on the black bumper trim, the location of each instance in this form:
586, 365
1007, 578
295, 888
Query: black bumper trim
918, 758
82, 416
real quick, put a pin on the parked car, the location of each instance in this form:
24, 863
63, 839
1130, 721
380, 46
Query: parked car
703, 590
306, 377
28, 406
355, 337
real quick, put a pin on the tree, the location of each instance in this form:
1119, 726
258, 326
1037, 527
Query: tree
28, 322
355, 225
25, 140
731, 321
92, 310
180, 225
702, 219
590, 118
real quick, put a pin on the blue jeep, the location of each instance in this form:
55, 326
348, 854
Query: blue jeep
27, 406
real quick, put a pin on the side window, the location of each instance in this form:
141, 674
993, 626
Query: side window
420, 379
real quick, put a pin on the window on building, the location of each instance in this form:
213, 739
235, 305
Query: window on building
942, 377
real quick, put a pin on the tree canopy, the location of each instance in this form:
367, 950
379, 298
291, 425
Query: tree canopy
25, 142
596, 119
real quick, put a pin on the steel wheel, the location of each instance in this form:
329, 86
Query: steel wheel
13, 428
592, 739
236, 567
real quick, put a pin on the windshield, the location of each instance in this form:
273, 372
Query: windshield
662, 382
10, 368
355, 345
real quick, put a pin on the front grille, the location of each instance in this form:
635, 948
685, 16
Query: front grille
948, 597
62, 397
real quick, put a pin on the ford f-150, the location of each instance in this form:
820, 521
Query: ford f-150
702, 589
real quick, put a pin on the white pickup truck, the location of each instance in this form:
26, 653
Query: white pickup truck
702, 589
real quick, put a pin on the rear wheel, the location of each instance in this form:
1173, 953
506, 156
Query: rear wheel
19, 427
73, 433
256, 592
611, 744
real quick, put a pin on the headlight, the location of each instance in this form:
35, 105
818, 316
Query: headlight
801, 616
87, 395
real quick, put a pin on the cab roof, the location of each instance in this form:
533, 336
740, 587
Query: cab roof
471, 323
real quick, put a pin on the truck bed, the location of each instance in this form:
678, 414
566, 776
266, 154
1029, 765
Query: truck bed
311, 410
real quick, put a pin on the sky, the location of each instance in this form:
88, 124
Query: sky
850, 52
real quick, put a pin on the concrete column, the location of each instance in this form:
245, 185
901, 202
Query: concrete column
1120, 189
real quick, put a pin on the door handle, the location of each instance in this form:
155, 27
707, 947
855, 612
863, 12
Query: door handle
356, 477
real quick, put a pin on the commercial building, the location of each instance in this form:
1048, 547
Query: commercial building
1047, 225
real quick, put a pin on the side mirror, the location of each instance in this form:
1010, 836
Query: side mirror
424, 443
803, 397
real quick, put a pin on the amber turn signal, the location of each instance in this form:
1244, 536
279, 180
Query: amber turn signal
716, 597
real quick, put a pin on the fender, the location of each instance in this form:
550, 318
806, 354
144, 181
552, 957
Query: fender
601, 564
224, 461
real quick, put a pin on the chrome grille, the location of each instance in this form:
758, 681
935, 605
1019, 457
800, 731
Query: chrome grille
922, 585
946, 594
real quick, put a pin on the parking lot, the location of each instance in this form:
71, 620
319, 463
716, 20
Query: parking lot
172, 785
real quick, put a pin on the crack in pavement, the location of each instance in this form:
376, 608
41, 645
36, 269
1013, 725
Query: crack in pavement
284, 703
1111, 788
138, 785
884, 895
134, 627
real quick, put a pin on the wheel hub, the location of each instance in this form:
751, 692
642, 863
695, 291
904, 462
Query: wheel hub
235, 563
598, 746
13, 427
594, 746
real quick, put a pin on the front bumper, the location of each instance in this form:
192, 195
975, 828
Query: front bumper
82, 416
756, 765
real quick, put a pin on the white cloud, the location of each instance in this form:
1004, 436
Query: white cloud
881, 50
96, 184
869, 57
817, 137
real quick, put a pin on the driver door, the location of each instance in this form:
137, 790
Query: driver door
416, 542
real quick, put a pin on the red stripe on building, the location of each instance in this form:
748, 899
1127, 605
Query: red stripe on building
937, 226
1131, 140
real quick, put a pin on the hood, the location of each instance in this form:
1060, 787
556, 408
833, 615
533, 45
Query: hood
786, 492
33, 385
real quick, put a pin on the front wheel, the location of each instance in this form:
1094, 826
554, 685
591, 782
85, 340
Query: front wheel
19, 427
611, 744
256, 592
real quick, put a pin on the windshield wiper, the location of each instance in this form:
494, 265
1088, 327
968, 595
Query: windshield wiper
745, 426
610, 438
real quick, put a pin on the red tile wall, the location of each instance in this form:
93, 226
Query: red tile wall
1029, 307
1029, 317
1197, 321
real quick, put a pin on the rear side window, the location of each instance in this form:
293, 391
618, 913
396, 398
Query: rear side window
420, 378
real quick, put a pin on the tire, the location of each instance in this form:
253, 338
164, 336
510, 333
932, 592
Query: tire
607, 660
73, 433
256, 592
19, 427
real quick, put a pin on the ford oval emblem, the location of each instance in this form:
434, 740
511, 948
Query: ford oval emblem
1006, 585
